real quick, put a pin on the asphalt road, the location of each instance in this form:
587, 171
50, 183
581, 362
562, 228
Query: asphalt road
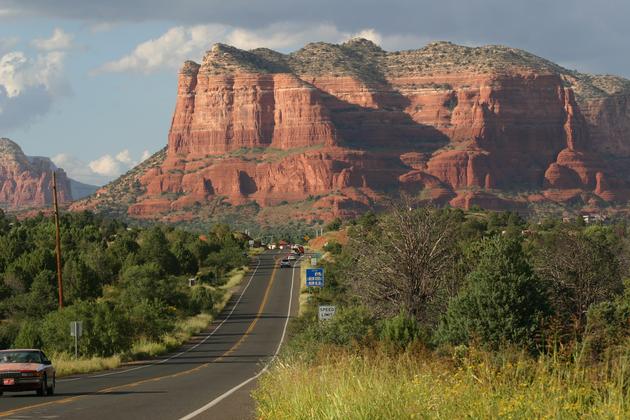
211, 377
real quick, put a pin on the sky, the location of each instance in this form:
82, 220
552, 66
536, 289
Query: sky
92, 84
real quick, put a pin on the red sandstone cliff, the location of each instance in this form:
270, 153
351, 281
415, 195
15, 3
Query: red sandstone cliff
346, 125
26, 182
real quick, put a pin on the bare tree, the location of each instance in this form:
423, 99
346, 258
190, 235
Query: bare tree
581, 271
405, 261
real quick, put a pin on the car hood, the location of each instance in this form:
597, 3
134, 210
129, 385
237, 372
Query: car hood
4, 367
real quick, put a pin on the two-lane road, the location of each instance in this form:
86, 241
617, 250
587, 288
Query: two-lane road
208, 378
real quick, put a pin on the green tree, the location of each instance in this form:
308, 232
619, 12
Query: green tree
581, 269
335, 224
154, 248
29, 336
503, 300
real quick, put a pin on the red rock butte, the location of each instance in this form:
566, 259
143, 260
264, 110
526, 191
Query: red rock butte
26, 181
341, 127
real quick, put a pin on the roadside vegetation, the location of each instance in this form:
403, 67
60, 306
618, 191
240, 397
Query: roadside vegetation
129, 286
449, 314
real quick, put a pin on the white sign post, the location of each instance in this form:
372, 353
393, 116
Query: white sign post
76, 331
326, 312
313, 262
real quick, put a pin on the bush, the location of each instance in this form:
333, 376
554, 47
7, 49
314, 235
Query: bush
348, 326
29, 336
400, 331
334, 225
8, 332
106, 329
503, 301
201, 299
333, 247
607, 327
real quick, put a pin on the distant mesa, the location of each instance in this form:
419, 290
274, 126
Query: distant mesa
332, 130
26, 181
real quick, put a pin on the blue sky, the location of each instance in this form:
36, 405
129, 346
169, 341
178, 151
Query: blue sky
92, 84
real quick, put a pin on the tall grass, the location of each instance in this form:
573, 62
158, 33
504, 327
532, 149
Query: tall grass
66, 364
341, 384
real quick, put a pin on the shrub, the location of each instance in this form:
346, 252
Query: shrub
201, 299
607, 327
333, 247
348, 326
334, 225
29, 336
8, 333
400, 331
503, 301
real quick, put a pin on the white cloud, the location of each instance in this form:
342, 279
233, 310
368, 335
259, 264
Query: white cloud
106, 165
124, 157
169, 50
78, 170
182, 43
58, 41
29, 85
145, 155
370, 34
98, 171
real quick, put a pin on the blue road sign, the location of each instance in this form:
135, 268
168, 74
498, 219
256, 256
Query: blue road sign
314, 277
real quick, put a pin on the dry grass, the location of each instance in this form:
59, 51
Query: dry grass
65, 364
341, 384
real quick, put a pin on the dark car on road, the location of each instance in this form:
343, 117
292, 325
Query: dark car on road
26, 370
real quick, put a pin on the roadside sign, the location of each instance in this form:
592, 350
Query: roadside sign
76, 328
192, 281
326, 312
251, 242
76, 331
313, 262
314, 277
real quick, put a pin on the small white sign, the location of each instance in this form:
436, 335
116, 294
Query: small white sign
313, 262
251, 242
76, 328
326, 312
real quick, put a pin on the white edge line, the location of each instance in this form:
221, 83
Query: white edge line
180, 353
242, 384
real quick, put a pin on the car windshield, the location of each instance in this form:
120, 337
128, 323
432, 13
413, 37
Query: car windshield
20, 357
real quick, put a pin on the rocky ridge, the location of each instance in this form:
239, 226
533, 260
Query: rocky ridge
344, 126
26, 182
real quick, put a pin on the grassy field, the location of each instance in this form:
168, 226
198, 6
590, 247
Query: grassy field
341, 384
184, 330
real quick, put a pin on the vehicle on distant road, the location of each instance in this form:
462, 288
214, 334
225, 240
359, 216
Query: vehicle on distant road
298, 249
26, 370
291, 257
285, 263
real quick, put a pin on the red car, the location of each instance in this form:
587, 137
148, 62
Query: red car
26, 370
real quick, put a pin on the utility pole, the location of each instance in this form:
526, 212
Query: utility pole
57, 240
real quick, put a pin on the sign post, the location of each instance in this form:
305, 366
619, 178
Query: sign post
326, 312
76, 331
314, 277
